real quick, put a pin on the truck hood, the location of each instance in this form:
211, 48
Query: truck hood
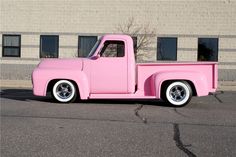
62, 64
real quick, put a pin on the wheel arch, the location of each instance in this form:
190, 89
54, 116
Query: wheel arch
196, 80
165, 83
79, 80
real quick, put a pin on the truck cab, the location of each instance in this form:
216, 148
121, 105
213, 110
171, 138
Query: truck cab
110, 72
112, 66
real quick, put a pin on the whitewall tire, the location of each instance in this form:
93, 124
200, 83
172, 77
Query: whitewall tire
178, 93
64, 91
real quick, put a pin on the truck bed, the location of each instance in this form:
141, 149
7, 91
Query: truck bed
145, 71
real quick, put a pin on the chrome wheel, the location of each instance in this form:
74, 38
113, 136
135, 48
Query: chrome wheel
64, 91
178, 93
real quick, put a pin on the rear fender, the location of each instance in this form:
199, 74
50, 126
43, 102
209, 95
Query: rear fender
198, 79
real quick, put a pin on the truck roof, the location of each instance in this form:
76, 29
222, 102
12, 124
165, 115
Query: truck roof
117, 36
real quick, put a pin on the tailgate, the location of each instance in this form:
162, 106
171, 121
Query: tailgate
215, 77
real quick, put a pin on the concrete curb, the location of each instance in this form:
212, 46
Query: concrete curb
16, 84
227, 86
223, 85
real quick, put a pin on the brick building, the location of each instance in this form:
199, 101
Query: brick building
186, 30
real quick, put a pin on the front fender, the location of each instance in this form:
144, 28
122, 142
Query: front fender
198, 79
41, 79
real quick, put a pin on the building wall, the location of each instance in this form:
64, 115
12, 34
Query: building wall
185, 19
209, 17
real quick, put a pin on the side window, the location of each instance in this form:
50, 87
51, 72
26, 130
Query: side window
113, 49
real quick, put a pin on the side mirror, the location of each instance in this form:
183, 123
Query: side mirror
96, 57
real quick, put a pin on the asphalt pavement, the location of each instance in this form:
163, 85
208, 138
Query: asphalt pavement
37, 126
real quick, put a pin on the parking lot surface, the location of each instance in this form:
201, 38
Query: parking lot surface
37, 126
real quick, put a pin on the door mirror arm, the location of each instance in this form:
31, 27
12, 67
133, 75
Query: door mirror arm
96, 57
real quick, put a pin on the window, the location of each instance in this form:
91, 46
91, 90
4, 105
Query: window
135, 40
85, 45
166, 48
113, 49
208, 49
11, 45
49, 45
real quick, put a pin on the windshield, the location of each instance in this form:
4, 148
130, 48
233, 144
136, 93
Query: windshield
94, 49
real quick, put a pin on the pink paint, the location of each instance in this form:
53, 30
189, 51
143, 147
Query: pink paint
117, 77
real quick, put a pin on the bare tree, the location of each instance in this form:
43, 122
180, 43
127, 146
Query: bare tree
142, 34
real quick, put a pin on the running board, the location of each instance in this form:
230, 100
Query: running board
120, 96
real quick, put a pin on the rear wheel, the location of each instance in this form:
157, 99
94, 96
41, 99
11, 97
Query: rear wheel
178, 93
64, 91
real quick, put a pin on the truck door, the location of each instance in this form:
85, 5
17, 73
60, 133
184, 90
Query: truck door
109, 71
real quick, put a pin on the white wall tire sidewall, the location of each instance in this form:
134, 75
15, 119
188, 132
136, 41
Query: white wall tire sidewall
55, 91
182, 102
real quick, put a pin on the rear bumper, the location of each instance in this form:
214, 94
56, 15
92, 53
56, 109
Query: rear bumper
213, 90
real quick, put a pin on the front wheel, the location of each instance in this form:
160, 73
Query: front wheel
64, 91
178, 93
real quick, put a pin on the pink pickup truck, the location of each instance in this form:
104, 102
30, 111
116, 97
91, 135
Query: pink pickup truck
110, 72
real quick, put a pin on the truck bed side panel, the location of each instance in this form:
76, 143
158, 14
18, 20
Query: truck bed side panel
145, 72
